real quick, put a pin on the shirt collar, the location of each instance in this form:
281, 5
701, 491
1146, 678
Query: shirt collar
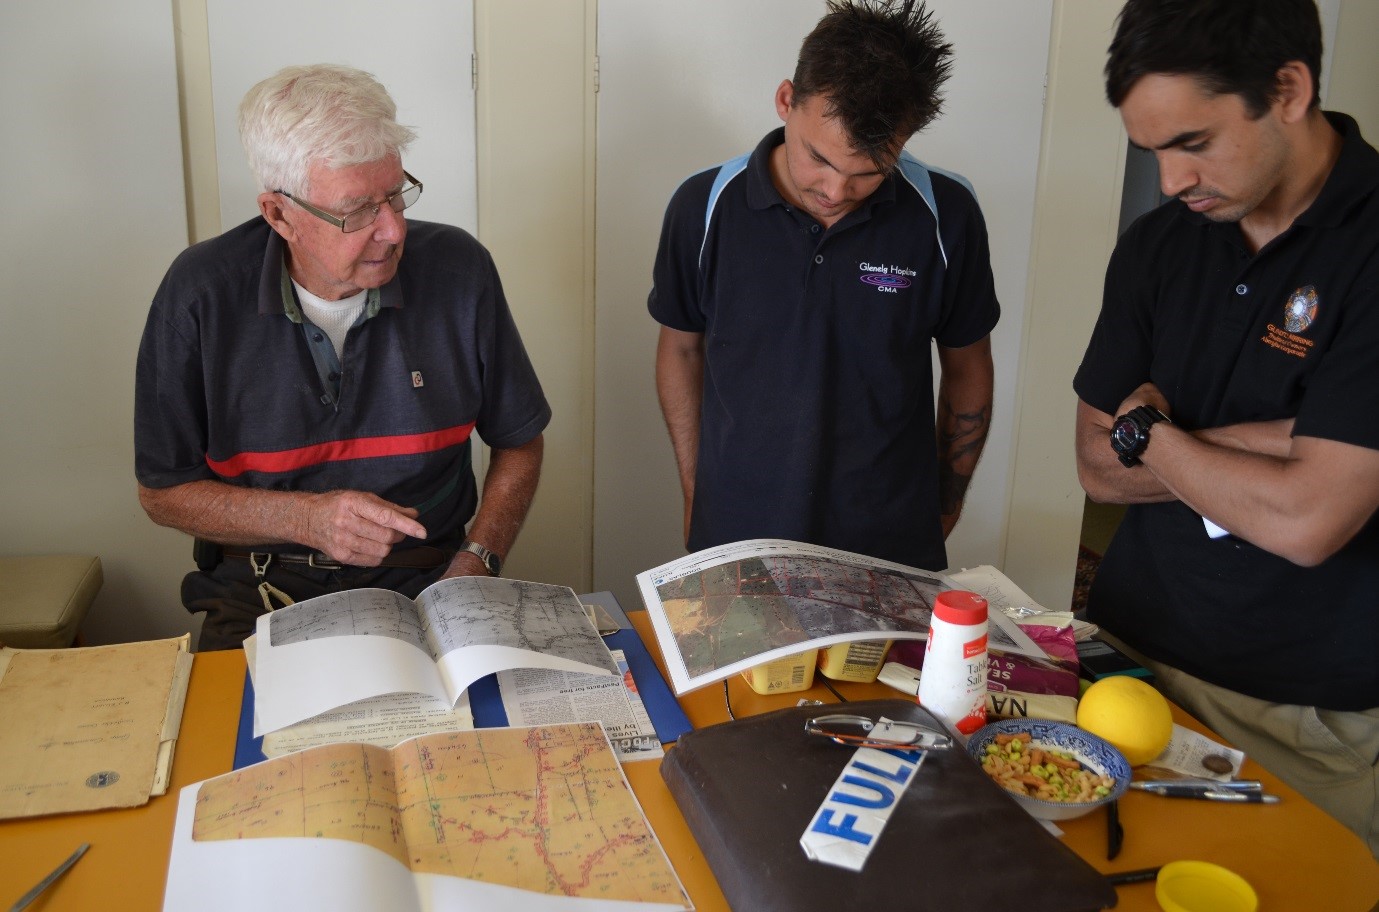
1352, 180
277, 296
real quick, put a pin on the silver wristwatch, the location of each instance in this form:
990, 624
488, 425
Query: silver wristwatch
493, 562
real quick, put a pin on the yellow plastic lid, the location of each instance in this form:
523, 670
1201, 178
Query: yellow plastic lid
1199, 886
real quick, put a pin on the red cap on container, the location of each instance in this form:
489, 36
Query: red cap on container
958, 607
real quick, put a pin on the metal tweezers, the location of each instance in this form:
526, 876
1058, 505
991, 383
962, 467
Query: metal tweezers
48, 881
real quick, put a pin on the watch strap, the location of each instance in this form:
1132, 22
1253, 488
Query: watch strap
491, 561
1148, 414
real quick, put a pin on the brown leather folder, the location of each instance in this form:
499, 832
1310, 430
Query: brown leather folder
749, 789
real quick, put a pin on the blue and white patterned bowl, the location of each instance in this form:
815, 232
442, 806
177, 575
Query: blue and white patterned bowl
1094, 753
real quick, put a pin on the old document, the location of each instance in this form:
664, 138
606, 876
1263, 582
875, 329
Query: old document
518, 819
89, 728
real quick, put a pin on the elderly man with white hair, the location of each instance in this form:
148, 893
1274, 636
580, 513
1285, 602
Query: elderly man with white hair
306, 394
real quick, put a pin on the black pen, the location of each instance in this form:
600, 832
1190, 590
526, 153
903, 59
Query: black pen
1114, 831
1207, 791
1129, 877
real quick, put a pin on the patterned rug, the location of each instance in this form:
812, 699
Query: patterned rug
1087, 562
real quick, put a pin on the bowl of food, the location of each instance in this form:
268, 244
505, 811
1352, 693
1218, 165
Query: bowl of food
1054, 770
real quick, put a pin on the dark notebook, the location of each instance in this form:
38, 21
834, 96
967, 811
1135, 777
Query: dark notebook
956, 840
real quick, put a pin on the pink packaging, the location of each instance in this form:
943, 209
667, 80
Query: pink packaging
1055, 674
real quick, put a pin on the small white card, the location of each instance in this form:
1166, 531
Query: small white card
848, 824
1213, 530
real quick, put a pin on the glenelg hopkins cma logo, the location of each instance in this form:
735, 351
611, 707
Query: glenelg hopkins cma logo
886, 278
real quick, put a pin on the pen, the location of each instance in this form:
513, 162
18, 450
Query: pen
1129, 877
1189, 786
1213, 792
1248, 797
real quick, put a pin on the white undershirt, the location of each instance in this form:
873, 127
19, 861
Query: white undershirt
334, 318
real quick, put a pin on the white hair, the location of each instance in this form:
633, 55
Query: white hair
304, 115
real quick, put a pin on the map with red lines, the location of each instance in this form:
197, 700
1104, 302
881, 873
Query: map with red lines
545, 809
739, 609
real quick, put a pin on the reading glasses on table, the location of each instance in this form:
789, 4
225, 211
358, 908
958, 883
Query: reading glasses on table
860, 731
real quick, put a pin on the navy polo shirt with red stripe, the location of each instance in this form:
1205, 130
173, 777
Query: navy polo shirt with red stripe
232, 386
1231, 336
818, 411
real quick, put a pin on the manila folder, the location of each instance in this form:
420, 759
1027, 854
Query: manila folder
90, 727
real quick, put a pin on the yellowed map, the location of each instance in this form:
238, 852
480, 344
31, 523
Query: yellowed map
544, 809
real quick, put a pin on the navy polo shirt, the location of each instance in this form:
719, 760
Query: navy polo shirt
232, 385
1229, 336
818, 408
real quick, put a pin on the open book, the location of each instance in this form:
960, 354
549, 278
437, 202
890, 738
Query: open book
726, 609
335, 649
539, 819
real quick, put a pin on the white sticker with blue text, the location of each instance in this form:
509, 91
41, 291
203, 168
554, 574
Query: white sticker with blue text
848, 824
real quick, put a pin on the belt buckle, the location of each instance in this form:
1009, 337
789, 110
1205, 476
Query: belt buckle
320, 562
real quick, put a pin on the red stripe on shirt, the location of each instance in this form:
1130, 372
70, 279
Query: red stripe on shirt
339, 450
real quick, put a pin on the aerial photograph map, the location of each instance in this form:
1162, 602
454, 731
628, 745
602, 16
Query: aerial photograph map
738, 609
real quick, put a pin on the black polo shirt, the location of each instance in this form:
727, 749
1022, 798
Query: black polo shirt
1230, 337
231, 386
818, 411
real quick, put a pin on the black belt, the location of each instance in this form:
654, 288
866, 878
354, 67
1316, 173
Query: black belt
424, 557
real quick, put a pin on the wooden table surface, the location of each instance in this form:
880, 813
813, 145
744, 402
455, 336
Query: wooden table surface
1296, 856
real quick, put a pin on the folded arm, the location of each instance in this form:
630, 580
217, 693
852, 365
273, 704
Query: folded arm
1301, 498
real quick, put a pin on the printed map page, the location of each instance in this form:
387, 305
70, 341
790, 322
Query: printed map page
544, 809
739, 609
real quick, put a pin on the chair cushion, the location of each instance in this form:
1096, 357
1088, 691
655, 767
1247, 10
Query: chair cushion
44, 598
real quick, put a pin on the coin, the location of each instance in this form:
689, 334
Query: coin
1218, 763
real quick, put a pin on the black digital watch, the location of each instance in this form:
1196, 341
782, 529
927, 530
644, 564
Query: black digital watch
1130, 433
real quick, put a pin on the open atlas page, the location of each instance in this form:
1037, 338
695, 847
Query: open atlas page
726, 609
334, 649
520, 819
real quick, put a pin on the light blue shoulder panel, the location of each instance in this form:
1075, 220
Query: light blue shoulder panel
917, 174
726, 172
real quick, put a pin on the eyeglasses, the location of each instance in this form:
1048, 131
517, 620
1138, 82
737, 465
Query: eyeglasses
859, 731
365, 216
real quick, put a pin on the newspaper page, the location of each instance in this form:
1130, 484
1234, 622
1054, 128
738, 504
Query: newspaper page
382, 721
538, 696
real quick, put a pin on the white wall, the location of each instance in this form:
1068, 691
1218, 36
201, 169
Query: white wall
421, 55
1080, 174
92, 184
684, 86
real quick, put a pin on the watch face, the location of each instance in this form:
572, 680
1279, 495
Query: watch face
1125, 436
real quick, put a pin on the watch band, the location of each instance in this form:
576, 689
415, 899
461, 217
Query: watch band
491, 561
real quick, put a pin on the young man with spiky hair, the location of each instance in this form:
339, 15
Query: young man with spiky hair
799, 289
1238, 343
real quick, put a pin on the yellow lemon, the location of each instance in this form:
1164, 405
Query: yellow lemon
1130, 714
